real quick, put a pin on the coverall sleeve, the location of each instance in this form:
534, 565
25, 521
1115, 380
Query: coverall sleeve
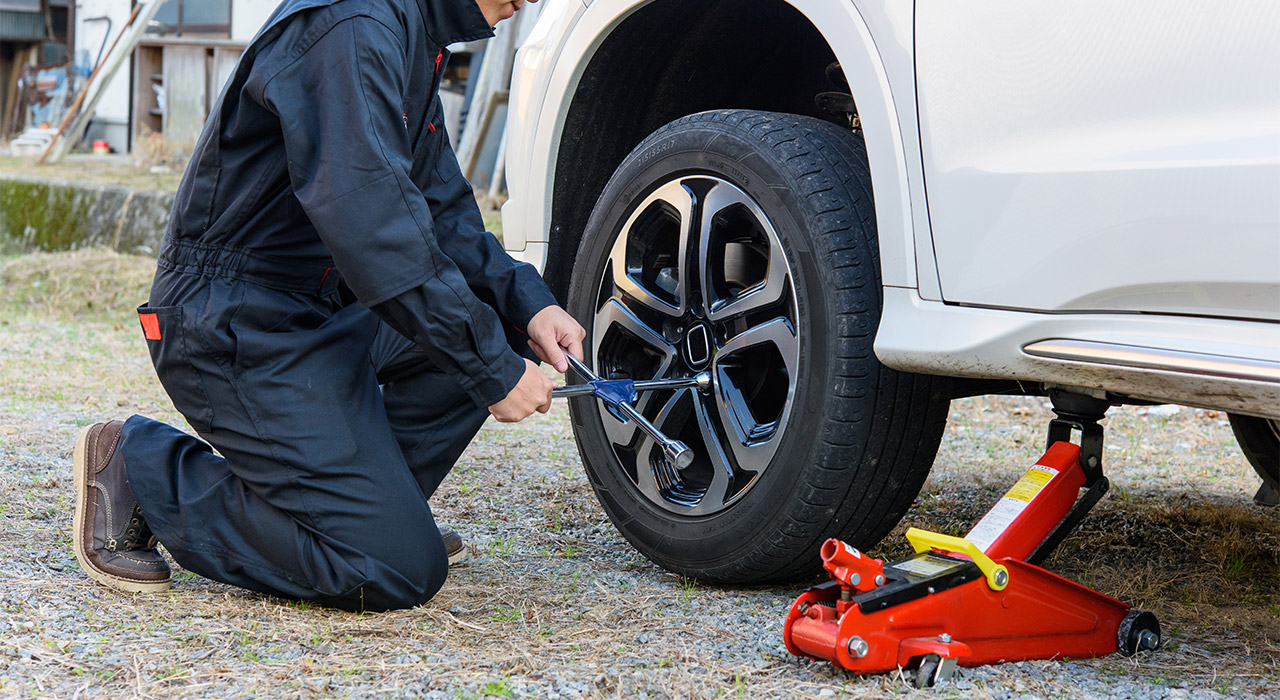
514, 288
340, 104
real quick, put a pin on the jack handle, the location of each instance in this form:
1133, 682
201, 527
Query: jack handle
923, 540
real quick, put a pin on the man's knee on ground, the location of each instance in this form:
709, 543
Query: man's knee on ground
400, 580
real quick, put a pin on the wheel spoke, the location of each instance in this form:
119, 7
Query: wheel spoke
651, 467
615, 316
722, 469
777, 332
723, 254
650, 253
749, 437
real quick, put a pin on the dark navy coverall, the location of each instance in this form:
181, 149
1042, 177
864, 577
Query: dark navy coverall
328, 313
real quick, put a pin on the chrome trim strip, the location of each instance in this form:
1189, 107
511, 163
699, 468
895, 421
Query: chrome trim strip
1155, 358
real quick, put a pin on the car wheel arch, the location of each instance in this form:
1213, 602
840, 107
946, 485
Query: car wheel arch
578, 166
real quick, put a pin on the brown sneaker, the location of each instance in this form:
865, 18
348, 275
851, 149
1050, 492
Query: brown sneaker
452, 544
112, 540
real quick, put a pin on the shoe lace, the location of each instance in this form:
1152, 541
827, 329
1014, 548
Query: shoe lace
136, 535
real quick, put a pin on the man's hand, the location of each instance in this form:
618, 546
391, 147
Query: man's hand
552, 331
532, 393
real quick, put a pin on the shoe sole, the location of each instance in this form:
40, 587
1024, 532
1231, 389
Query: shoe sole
81, 468
458, 557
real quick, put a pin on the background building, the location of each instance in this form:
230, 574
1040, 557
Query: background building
154, 92
34, 35
176, 70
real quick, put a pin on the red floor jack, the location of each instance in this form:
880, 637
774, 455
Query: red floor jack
979, 599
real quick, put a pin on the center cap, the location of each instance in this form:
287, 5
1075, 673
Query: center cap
697, 345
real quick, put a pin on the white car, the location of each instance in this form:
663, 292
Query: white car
850, 212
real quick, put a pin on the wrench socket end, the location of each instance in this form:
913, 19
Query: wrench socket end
678, 454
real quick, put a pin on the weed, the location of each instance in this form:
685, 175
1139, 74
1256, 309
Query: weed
507, 614
1237, 568
1120, 493
503, 547
497, 689
688, 589
172, 673
318, 639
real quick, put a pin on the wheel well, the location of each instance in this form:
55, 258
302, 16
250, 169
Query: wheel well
669, 59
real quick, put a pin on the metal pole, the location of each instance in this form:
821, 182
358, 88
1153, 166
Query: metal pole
129, 35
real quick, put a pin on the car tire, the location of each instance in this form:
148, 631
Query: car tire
804, 434
1259, 439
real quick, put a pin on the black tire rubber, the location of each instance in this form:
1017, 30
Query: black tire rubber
1129, 637
862, 436
1259, 439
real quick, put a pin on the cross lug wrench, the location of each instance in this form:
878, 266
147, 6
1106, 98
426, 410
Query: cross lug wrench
621, 394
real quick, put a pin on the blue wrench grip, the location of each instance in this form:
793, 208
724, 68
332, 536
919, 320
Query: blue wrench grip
614, 392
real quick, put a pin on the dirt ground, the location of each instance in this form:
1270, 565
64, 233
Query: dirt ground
553, 602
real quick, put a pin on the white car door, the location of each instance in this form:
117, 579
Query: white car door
1103, 156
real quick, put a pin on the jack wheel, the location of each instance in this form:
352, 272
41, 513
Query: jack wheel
927, 674
1139, 631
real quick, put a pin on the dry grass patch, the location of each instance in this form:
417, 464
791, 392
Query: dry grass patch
90, 284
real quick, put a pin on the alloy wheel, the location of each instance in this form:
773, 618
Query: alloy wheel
697, 281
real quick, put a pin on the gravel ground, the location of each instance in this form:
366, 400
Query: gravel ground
555, 604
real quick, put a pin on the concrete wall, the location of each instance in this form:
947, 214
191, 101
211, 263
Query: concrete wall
49, 215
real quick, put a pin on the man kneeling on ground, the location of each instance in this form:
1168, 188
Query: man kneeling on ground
330, 315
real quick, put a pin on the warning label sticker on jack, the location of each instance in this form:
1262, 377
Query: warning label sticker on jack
1031, 483
998, 519
925, 565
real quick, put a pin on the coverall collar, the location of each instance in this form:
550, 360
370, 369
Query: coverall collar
453, 21
447, 21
